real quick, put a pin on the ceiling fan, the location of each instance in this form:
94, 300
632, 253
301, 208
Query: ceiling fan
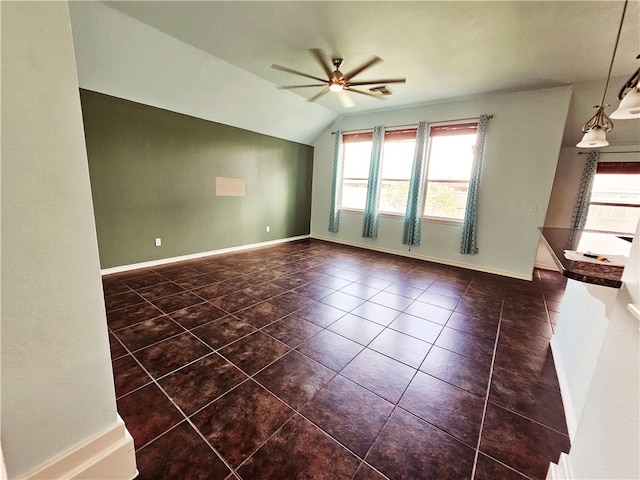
339, 82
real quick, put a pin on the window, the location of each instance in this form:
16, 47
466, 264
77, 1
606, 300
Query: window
448, 170
397, 163
395, 171
615, 198
447, 167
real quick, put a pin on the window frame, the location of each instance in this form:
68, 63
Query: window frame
619, 168
392, 134
427, 160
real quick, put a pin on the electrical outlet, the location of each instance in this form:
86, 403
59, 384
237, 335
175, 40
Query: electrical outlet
158, 242
268, 228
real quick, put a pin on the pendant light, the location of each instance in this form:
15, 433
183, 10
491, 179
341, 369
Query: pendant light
596, 129
630, 96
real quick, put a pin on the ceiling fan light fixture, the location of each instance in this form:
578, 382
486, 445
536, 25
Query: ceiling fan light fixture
594, 138
335, 87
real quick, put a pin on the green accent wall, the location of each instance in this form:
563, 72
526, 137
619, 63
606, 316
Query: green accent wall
153, 174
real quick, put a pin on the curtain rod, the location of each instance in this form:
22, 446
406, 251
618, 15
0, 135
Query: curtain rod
602, 153
412, 124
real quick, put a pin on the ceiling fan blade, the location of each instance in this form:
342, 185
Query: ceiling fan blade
318, 95
345, 99
377, 82
361, 68
295, 72
364, 92
322, 60
288, 87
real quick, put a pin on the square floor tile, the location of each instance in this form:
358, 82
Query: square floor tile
359, 290
485, 327
522, 395
320, 314
348, 412
176, 302
242, 420
132, 315
264, 291
201, 382
190, 456
443, 301
148, 332
416, 327
410, 448
254, 352
122, 300
290, 301
292, 330
330, 349
128, 375
169, 355
477, 348
342, 301
196, 315
314, 291
117, 350
235, 301
376, 313
295, 378
380, 374
526, 446
214, 290
365, 472
299, 451
261, 314
449, 408
147, 413
356, 328
160, 290
458, 370
401, 347
429, 312
489, 469
391, 300
222, 331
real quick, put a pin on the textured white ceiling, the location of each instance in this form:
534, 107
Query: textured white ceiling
445, 50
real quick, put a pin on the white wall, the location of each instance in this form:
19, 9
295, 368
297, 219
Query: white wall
607, 441
185, 79
521, 152
57, 384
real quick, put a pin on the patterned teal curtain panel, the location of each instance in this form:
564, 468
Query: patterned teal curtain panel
334, 210
468, 245
411, 229
581, 207
370, 220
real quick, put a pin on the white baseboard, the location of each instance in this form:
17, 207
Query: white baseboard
109, 455
561, 471
569, 414
428, 259
192, 256
545, 266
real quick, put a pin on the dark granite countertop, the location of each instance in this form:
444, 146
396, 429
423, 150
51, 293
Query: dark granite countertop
560, 239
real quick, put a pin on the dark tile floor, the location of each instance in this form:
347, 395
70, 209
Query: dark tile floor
309, 360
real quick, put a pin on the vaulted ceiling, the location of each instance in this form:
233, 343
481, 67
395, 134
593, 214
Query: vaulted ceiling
213, 59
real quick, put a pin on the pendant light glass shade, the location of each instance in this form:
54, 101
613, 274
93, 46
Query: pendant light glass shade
629, 106
593, 138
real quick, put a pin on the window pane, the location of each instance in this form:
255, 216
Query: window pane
616, 188
612, 219
446, 199
450, 157
357, 156
393, 196
354, 194
397, 160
